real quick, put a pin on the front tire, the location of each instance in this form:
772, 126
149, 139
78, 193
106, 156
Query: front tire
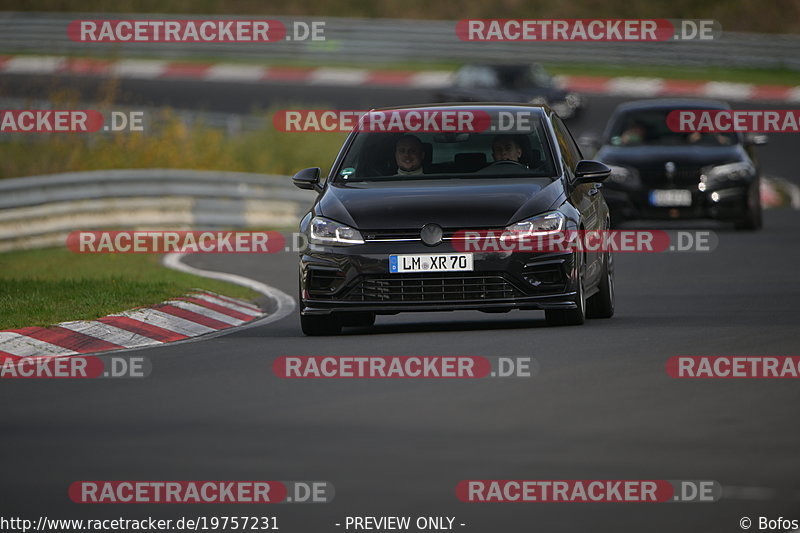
752, 219
319, 325
601, 305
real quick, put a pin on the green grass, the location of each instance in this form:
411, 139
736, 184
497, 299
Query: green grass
170, 144
43, 287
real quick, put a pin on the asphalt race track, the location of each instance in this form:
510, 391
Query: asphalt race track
602, 406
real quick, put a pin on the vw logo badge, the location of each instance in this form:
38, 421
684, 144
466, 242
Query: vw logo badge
431, 234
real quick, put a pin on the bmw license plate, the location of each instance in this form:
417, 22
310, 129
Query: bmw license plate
671, 198
430, 263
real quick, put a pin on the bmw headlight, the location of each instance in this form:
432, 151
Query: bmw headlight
713, 175
623, 176
552, 222
326, 231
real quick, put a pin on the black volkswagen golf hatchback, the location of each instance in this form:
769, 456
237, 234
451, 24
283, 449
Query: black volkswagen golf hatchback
384, 230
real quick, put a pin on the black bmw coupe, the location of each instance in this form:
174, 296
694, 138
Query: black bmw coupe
383, 232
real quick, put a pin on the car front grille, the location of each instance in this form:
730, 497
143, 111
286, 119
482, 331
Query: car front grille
402, 235
432, 287
657, 176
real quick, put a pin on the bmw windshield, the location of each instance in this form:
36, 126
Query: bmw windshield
649, 127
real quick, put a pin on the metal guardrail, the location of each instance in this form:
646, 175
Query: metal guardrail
393, 40
42, 210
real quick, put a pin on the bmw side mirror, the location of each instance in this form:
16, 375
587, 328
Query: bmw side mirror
308, 178
588, 171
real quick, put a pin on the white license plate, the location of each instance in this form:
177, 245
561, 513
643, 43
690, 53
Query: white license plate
671, 198
430, 263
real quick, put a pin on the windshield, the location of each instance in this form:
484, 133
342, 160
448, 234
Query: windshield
400, 155
649, 127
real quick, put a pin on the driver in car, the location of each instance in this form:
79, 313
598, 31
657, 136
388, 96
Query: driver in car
409, 153
506, 148
635, 134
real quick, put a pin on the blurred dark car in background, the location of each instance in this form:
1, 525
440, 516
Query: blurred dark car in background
527, 84
658, 173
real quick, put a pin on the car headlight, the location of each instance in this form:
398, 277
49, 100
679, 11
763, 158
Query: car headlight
326, 231
552, 222
623, 176
713, 175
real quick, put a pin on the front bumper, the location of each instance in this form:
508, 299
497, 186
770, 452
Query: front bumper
357, 278
728, 203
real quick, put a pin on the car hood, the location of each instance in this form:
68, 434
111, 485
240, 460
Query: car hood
450, 203
682, 156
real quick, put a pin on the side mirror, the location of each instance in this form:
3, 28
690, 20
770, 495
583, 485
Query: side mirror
756, 139
588, 171
308, 178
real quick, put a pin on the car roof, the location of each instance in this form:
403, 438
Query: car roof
671, 103
473, 106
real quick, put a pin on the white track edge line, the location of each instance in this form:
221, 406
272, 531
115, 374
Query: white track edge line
284, 304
